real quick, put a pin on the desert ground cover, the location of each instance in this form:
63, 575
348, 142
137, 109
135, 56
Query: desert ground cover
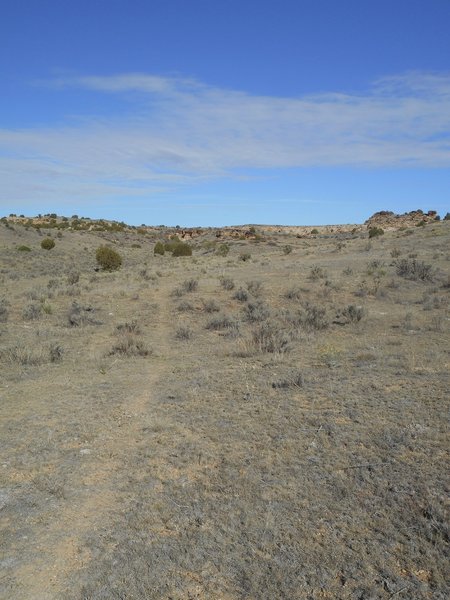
264, 419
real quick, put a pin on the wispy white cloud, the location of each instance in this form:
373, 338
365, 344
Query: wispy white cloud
178, 131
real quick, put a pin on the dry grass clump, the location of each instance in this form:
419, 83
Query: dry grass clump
317, 272
183, 333
349, 314
222, 322
255, 312
32, 354
210, 306
185, 306
314, 318
79, 315
241, 295
292, 294
269, 337
190, 285
227, 283
293, 380
129, 343
32, 311
254, 287
4, 304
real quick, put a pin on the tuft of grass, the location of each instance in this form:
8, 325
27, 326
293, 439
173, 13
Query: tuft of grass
222, 322
185, 306
210, 306
4, 304
23, 248
132, 327
79, 315
295, 380
32, 311
241, 295
73, 277
223, 250
254, 287
314, 318
317, 273
292, 294
375, 232
268, 337
183, 333
56, 352
227, 283
128, 345
256, 312
190, 285
244, 256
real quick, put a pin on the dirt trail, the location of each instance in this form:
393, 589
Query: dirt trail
60, 551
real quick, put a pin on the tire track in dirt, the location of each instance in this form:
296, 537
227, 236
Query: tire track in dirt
61, 551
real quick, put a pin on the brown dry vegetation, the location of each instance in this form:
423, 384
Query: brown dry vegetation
209, 427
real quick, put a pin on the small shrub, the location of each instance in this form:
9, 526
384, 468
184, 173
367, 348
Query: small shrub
210, 306
129, 345
395, 252
222, 322
108, 259
47, 243
375, 232
268, 337
244, 256
254, 287
78, 316
3, 310
32, 311
414, 270
185, 307
183, 333
223, 250
314, 318
73, 277
287, 249
177, 292
56, 353
293, 294
317, 273
227, 283
131, 327
23, 248
159, 249
296, 380
256, 311
182, 249
241, 295
26, 355
190, 285
314, 231
349, 314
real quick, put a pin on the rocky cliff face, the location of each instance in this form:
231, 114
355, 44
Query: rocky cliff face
388, 220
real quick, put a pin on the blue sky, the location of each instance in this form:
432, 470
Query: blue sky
200, 112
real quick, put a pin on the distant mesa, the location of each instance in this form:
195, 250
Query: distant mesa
389, 220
